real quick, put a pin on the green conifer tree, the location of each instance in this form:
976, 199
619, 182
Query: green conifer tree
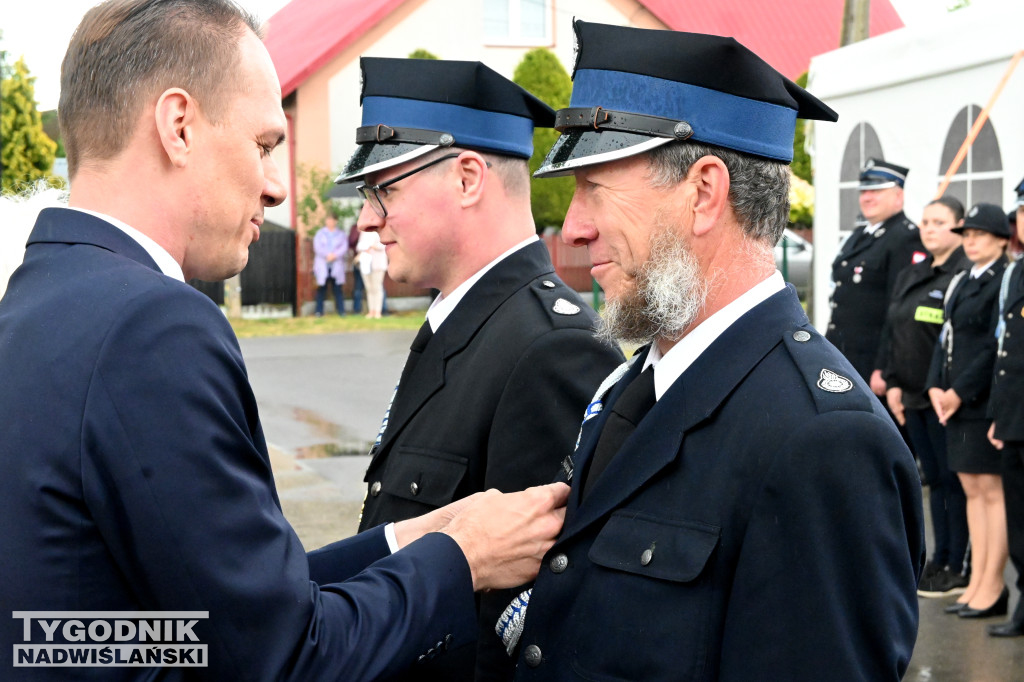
542, 74
27, 152
420, 53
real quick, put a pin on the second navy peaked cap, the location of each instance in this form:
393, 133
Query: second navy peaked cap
879, 174
412, 106
636, 89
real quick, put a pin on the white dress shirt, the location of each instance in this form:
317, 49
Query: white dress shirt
164, 261
669, 367
443, 306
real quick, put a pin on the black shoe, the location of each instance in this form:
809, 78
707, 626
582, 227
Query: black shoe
1008, 629
943, 583
955, 607
931, 569
999, 608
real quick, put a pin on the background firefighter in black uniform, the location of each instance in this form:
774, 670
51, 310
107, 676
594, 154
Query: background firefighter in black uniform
864, 273
1007, 412
959, 385
911, 330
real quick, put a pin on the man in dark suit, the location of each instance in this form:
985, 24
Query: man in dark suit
1005, 409
135, 475
498, 377
865, 269
742, 507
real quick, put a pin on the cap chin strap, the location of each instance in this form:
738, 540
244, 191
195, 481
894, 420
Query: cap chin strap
599, 118
381, 133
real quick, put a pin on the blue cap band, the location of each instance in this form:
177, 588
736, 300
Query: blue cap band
717, 118
472, 128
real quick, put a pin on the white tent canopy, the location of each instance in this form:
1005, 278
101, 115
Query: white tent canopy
911, 96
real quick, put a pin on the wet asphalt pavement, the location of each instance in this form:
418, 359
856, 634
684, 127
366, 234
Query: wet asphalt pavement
321, 400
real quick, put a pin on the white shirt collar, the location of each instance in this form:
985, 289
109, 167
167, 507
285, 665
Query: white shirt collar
443, 306
870, 229
164, 261
978, 270
669, 367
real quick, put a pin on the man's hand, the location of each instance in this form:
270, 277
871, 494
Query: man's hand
505, 536
877, 383
413, 529
894, 397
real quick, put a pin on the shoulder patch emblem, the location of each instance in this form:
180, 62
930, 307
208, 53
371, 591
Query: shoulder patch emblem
834, 383
564, 307
918, 257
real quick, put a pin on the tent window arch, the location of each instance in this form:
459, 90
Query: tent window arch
980, 176
863, 144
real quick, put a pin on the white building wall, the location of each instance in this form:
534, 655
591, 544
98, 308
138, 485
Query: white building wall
909, 85
452, 29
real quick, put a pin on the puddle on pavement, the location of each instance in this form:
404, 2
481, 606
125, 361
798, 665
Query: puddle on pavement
337, 441
320, 424
320, 451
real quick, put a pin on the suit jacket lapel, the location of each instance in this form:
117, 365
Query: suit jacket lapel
486, 296
67, 226
660, 437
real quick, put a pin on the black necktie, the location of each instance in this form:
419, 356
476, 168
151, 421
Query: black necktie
416, 350
626, 413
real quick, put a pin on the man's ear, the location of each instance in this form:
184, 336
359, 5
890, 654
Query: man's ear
174, 117
472, 175
710, 178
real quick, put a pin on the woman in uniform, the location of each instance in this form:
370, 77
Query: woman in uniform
911, 330
959, 381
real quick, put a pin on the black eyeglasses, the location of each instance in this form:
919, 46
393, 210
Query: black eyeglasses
374, 194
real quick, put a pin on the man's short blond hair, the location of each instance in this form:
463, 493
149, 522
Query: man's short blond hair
125, 52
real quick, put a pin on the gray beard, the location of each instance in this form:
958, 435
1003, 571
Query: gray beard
668, 295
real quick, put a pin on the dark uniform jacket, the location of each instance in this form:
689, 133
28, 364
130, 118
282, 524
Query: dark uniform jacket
913, 323
135, 477
763, 522
963, 360
864, 274
1006, 405
494, 401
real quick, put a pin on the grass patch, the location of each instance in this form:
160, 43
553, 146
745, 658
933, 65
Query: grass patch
328, 324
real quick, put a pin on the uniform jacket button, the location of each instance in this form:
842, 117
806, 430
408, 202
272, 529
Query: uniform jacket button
559, 563
532, 655
646, 557
843, 264
414, 488
375, 488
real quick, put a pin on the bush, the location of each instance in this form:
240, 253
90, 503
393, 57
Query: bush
542, 74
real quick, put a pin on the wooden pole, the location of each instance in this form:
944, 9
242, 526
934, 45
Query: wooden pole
978, 124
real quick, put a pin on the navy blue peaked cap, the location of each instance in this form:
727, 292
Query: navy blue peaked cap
879, 174
635, 89
412, 106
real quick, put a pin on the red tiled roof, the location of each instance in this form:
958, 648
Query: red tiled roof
785, 33
306, 34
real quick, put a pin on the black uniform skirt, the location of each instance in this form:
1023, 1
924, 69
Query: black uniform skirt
969, 450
